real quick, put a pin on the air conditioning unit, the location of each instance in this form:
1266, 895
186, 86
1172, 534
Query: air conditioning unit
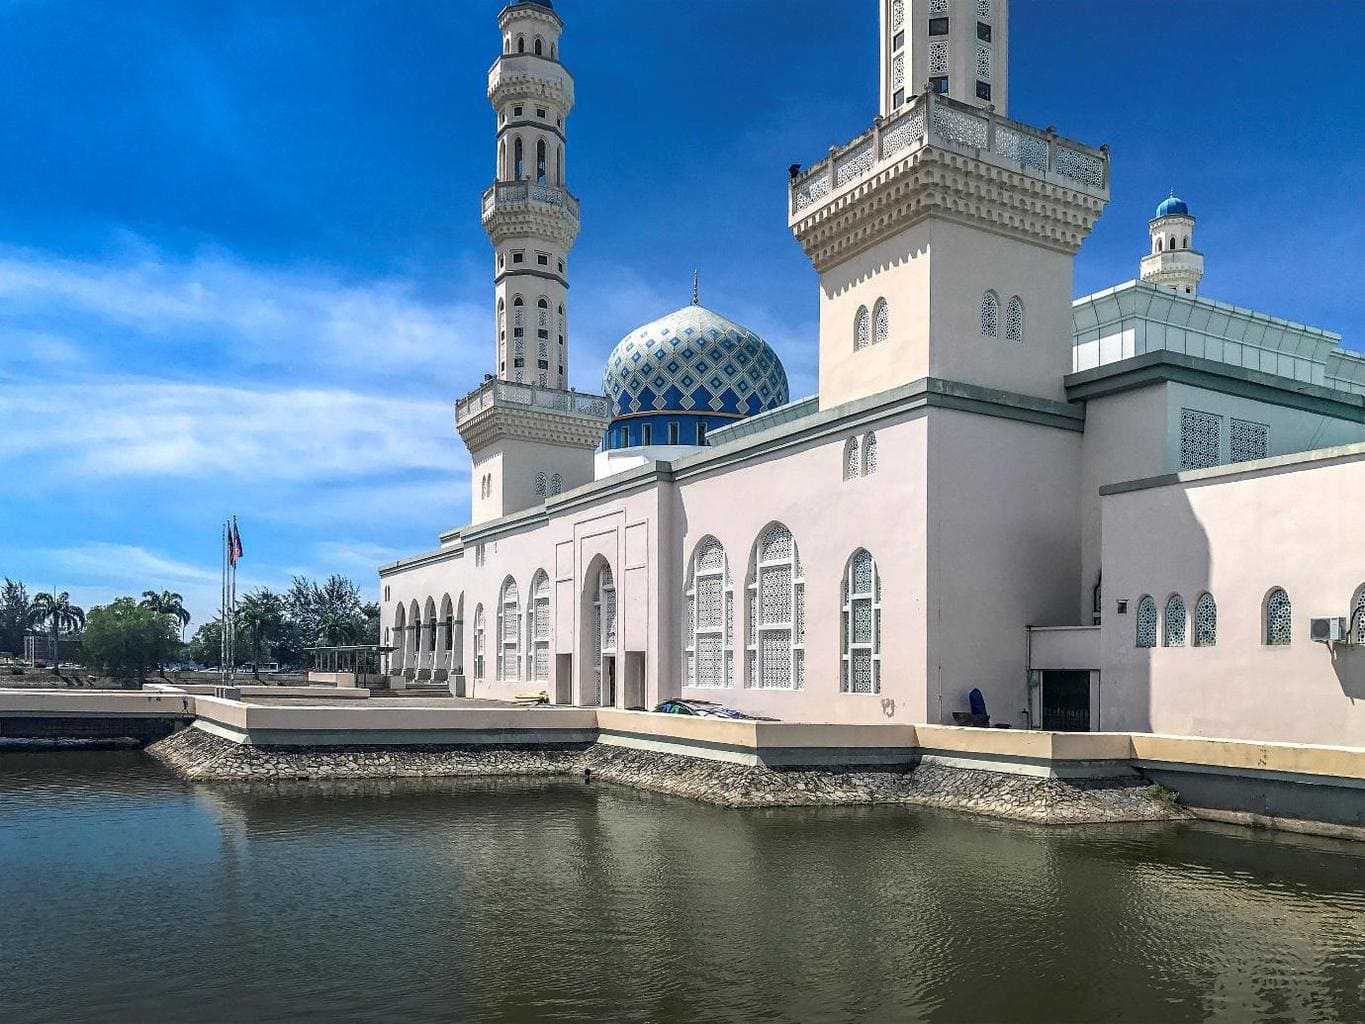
1333, 630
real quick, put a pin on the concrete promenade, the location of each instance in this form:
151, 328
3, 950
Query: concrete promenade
1284, 785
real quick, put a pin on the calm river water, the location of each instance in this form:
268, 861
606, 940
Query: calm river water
126, 895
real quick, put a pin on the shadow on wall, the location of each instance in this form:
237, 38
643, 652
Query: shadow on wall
1348, 662
1169, 575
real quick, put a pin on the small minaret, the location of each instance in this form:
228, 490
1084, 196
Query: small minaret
1172, 262
529, 437
529, 214
957, 48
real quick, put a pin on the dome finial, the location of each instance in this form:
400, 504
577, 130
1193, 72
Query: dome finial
696, 295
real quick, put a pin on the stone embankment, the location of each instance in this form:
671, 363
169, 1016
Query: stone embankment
199, 755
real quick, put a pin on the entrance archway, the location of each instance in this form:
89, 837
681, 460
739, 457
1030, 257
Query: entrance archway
599, 688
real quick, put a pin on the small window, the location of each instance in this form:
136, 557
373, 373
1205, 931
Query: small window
540, 111
983, 32
540, 47
851, 459
939, 84
1279, 613
518, 362
501, 261
647, 433
862, 329
990, 315
1146, 622
516, 111
1159, 244
386, 593
869, 453
561, 270
1176, 624
1205, 621
898, 98
701, 432
1014, 319
1185, 242
518, 257
983, 90
542, 485
898, 40
938, 26
673, 433
542, 259
521, 46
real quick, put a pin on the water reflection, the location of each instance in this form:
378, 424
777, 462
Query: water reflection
132, 896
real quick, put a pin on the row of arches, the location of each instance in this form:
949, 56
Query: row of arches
539, 46
871, 328
1171, 626
990, 317
547, 484
513, 638
538, 360
544, 172
1161, 244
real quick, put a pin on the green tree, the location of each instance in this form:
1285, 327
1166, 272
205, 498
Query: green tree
260, 617
127, 640
14, 605
370, 612
59, 615
206, 646
170, 604
339, 628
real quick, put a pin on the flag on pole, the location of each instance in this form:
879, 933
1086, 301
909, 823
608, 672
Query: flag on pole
234, 543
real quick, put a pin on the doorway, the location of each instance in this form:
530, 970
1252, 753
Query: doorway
1066, 701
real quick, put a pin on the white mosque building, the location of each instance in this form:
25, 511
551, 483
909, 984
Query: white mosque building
1136, 510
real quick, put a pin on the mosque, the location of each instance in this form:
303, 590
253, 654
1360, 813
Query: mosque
1136, 510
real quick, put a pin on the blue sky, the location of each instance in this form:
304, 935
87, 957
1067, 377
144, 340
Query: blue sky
241, 265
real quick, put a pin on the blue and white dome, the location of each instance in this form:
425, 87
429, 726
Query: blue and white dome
1173, 206
685, 373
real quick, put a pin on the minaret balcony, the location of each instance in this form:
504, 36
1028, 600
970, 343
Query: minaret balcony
939, 156
504, 408
518, 209
1175, 264
526, 76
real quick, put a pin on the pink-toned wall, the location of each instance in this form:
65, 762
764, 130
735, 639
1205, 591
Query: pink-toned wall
1002, 527
830, 518
1237, 534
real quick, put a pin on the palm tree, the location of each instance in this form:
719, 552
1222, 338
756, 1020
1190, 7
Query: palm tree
338, 628
60, 615
169, 604
260, 616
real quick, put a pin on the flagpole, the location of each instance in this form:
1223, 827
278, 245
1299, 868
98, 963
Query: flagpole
222, 608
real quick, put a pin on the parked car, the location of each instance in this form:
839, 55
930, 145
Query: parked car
705, 709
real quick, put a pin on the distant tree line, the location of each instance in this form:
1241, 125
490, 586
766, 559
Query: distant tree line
129, 637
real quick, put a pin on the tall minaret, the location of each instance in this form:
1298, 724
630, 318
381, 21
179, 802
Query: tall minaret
529, 214
1172, 262
529, 437
958, 48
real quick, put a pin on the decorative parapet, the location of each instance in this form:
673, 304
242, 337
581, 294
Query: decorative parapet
978, 158
503, 408
931, 119
517, 194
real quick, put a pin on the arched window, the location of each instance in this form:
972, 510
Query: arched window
1014, 319
990, 315
708, 641
540, 161
509, 632
862, 329
861, 600
1358, 615
521, 44
540, 627
1205, 621
1278, 618
559, 165
542, 482
517, 159
502, 160
1185, 242
554, 52
1158, 244
850, 458
540, 47
556, 484
1175, 622
1146, 622
777, 613
881, 322
396, 665
1173, 241
479, 643
869, 453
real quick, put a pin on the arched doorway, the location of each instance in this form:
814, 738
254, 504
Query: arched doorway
600, 674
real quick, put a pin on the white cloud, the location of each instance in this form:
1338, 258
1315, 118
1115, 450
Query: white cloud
98, 562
